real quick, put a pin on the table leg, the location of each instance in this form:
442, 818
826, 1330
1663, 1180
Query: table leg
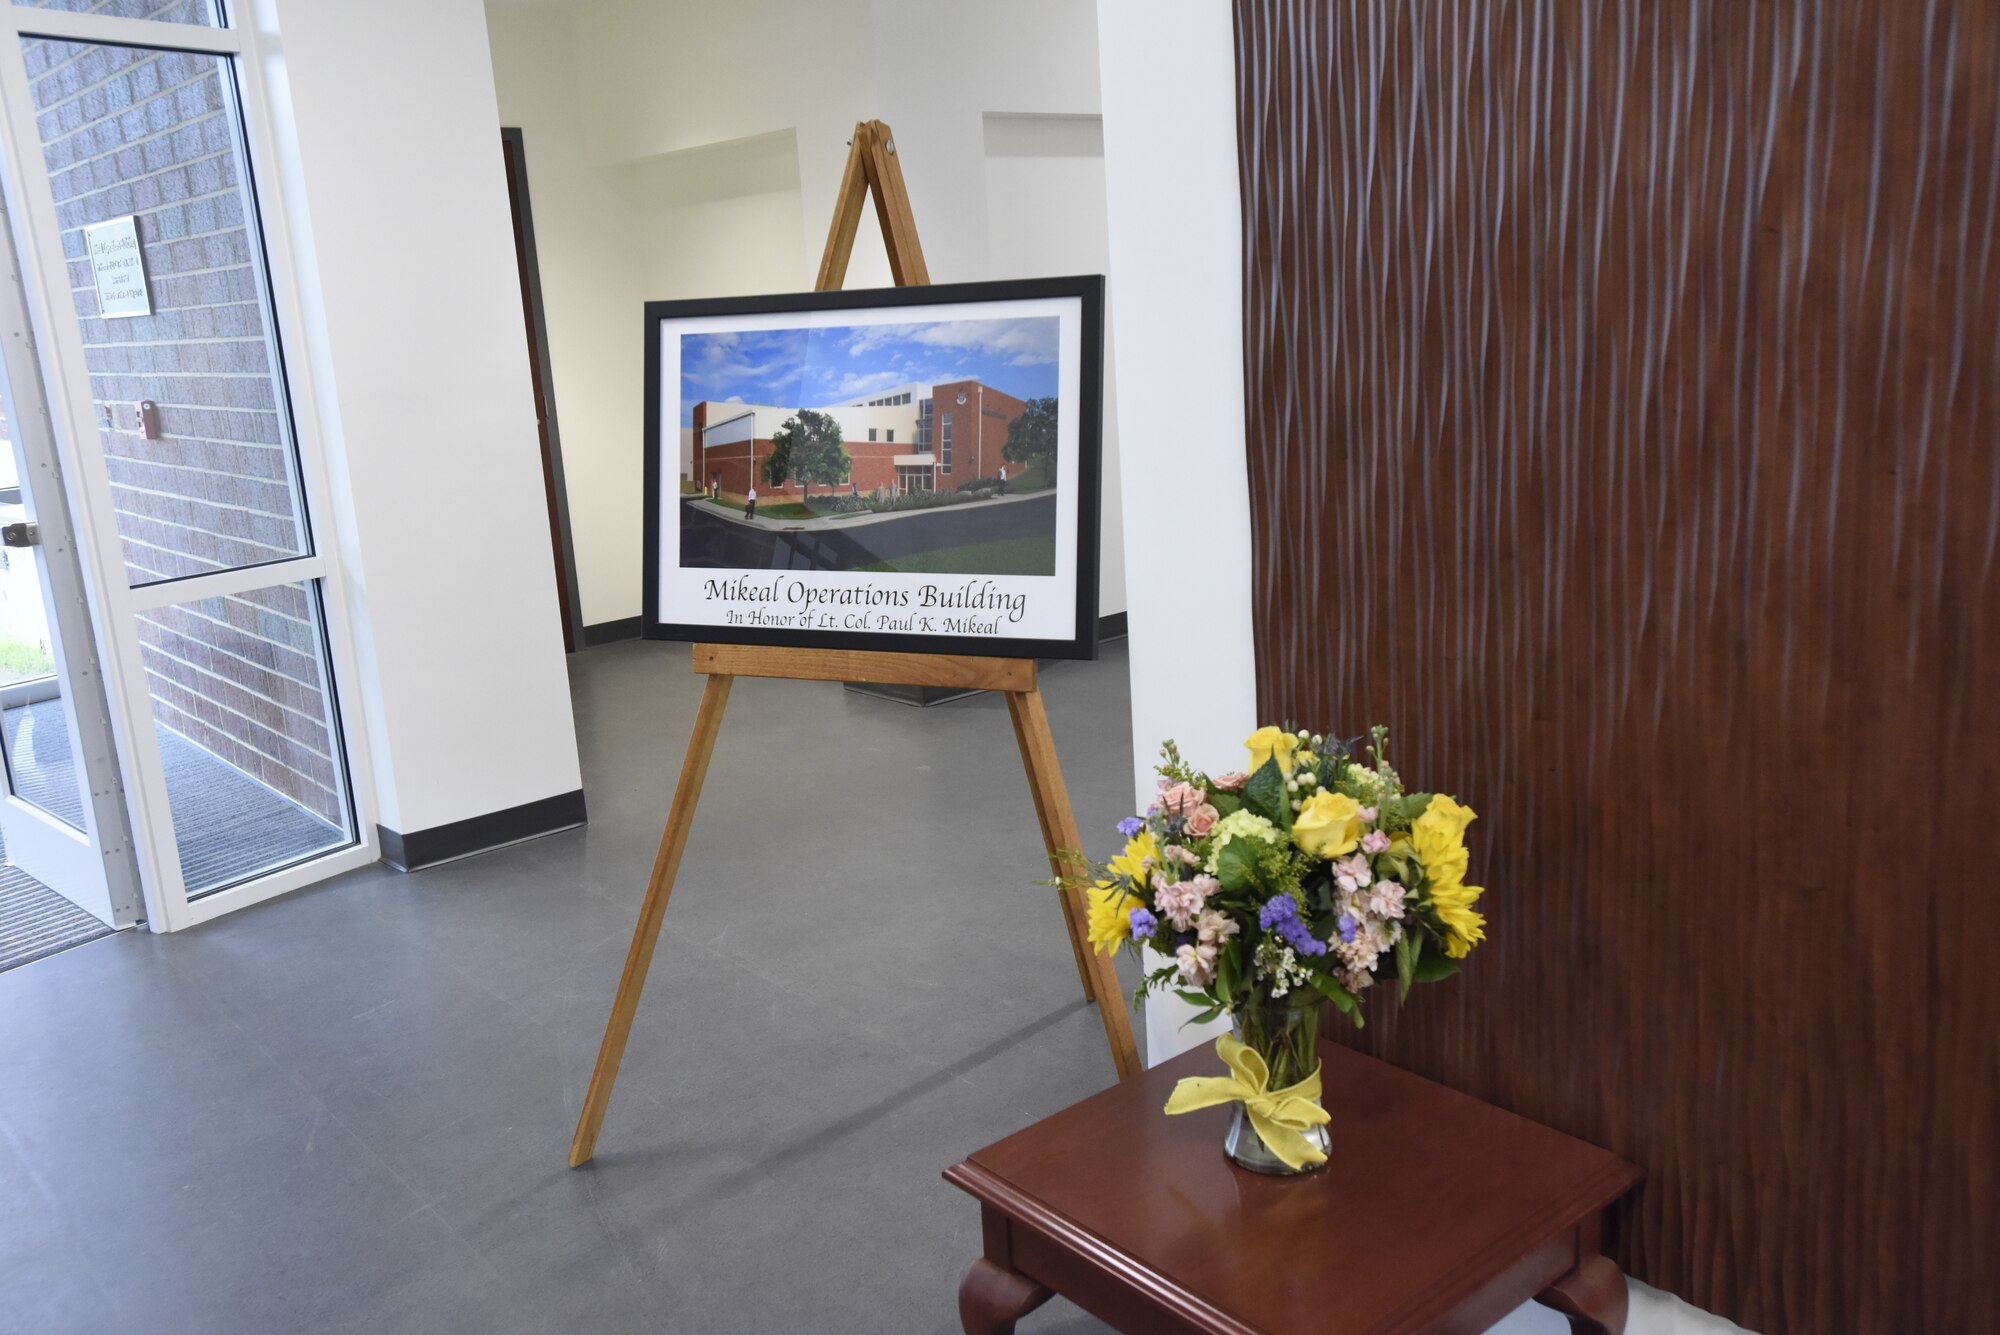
1593, 1296
991, 1300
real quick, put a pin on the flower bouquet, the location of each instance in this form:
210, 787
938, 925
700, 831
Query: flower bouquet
1274, 891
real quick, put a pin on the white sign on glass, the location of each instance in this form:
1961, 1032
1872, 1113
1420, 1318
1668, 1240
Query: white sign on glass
120, 267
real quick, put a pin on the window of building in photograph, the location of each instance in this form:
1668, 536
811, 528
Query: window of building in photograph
945, 443
871, 433
892, 435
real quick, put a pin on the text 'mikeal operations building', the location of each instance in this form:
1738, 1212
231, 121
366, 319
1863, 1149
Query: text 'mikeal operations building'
910, 438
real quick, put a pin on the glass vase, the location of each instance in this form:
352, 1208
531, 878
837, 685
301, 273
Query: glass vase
1284, 1031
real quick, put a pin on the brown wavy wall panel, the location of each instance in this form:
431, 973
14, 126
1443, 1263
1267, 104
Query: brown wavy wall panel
1624, 421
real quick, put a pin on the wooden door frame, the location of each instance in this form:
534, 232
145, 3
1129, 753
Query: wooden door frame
543, 379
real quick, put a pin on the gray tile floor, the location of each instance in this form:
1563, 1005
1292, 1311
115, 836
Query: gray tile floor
347, 1110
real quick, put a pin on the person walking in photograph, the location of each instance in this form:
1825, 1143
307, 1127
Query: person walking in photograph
750, 503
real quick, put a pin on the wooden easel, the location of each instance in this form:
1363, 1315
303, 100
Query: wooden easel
872, 168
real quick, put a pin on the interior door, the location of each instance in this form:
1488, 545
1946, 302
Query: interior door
62, 817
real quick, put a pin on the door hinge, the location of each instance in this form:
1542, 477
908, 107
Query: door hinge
24, 534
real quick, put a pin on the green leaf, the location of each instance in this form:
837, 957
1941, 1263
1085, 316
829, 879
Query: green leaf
1236, 864
1265, 795
1412, 805
1224, 803
1433, 967
1195, 999
1227, 969
1343, 1000
1202, 1018
1408, 947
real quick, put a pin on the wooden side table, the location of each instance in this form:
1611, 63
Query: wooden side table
1138, 1218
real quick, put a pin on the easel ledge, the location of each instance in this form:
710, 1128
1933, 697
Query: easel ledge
875, 669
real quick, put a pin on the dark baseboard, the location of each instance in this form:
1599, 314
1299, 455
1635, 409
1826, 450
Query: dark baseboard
477, 834
1111, 627
607, 632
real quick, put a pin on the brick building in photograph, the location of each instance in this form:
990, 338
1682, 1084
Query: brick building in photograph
909, 438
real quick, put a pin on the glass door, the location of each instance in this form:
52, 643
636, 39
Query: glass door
156, 257
62, 814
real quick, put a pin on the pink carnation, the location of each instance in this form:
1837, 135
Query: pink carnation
1213, 927
1196, 964
1375, 842
1181, 902
1230, 782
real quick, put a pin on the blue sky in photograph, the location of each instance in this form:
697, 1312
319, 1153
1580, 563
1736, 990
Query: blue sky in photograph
811, 368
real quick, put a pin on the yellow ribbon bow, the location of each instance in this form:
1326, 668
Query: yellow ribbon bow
1279, 1116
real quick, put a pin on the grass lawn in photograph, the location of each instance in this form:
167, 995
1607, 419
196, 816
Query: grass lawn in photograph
770, 509
1035, 477
1032, 555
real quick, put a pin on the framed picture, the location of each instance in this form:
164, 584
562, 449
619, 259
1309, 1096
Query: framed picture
913, 469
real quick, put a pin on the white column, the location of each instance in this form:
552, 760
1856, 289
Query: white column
1168, 72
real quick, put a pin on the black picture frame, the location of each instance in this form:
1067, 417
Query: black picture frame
1083, 643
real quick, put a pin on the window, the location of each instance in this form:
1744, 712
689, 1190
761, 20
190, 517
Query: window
871, 433
944, 441
892, 435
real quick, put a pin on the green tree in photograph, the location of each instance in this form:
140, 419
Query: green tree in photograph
808, 447
1031, 437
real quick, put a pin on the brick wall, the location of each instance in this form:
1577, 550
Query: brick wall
150, 133
979, 431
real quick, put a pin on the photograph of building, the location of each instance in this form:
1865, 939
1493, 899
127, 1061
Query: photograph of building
910, 438
912, 447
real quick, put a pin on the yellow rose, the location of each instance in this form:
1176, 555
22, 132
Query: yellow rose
1270, 743
1327, 826
1439, 838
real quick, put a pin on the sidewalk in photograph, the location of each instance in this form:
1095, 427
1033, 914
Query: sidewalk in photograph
1010, 536
854, 520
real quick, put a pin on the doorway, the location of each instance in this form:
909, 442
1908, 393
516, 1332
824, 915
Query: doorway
171, 484
514, 151
67, 873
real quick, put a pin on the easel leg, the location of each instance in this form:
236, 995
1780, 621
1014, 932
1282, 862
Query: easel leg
694, 771
1073, 922
1038, 754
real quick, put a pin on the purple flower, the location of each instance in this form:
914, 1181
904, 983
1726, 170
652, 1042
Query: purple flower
1277, 909
1348, 927
1280, 914
1144, 924
1300, 938
1130, 826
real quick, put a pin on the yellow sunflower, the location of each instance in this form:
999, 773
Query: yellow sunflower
1439, 839
1110, 917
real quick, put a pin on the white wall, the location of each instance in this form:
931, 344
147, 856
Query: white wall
419, 358
722, 131
1169, 91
